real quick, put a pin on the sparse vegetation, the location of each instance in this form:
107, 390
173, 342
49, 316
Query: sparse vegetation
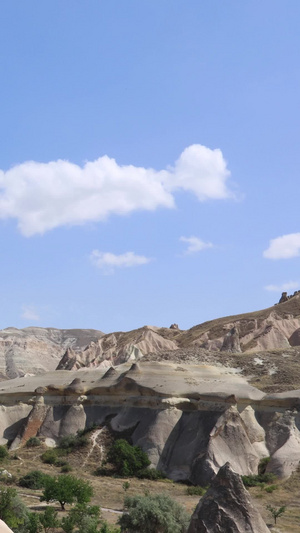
151, 514
263, 463
33, 442
33, 480
50, 456
258, 479
71, 442
276, 512
196, 490
3, 453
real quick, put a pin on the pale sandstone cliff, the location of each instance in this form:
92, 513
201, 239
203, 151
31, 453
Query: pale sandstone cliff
190, 419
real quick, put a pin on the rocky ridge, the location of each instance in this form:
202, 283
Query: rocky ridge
277, 327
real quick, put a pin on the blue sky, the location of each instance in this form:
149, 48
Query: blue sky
149, 160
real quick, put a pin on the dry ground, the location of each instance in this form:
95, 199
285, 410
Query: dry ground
109, 492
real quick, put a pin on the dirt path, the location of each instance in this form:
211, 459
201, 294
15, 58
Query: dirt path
93, 439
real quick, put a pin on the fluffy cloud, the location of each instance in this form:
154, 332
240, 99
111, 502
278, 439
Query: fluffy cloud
43, 196
284, 247
107, 261
195, 244
290, 285
29, 313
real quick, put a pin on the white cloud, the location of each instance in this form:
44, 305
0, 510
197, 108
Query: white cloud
195, 244
284, 247
290, 285
43, 196
29, 313
107, 261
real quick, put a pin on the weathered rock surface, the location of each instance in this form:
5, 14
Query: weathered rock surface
36, 350
190, 419
274, 328
226, 507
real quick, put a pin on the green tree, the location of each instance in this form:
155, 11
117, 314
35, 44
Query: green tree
153, 514
276, 512
12, 510
66, 489
49, 519
128, 460
33, 524
85, 518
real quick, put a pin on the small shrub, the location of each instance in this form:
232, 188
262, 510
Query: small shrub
196, 491
258, 479
50, 456
263, 463
66, 468
102, 471
276, 512
71, 442
33, 480
3, 453
150, 473
33, 442
271, 488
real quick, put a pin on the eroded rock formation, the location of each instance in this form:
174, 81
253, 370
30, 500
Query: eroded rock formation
227, 507
190, 419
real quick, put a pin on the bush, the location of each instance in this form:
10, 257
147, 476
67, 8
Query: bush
258, 479
127, 460
50, 456
32, 442
153, 513
151, 473
66, 468
71, 442
3, 453
196, 491
102, 471
263, 463
33, 480
271, 488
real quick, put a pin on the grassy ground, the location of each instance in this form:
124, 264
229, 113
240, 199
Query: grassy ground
109, 492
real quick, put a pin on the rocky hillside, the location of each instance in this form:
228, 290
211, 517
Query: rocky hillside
275, 328
37, 350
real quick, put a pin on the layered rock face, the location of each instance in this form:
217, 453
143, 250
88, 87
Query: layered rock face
36, 350
275, 328
227, 507
190, 419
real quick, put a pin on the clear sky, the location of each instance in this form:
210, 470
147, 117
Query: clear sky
149, 156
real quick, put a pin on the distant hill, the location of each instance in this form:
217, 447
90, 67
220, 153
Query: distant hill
36, 350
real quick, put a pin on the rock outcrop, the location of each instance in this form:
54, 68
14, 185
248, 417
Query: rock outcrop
190, 419
226, 507
231, 342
